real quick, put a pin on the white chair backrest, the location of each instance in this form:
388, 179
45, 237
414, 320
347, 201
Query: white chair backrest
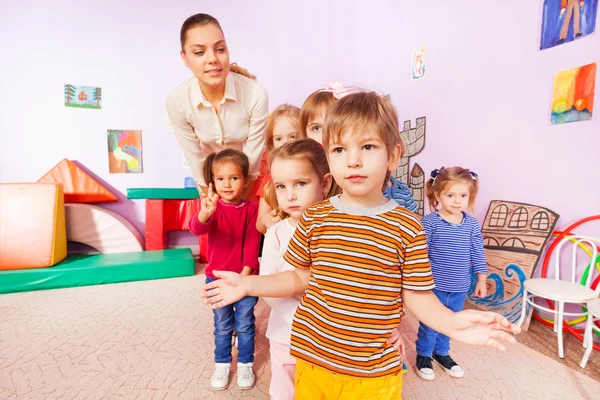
591, 244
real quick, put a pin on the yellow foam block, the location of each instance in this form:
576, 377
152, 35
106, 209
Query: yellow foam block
32, 225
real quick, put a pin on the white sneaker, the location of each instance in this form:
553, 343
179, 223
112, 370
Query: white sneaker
245, 378
220, 379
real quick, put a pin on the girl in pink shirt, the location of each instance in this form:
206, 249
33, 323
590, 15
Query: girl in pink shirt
233, 243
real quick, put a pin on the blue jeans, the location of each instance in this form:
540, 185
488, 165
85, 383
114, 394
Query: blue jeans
431, 342
239, 315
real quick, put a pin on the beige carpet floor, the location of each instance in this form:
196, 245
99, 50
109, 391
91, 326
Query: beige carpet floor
153, 340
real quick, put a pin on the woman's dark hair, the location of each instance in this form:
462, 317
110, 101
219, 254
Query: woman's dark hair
196, 20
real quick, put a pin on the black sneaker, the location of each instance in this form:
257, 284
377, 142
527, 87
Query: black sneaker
451, 368
424, 368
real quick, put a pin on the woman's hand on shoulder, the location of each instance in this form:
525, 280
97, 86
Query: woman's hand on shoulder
270, 219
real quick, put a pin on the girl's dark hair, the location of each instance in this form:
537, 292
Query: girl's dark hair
231, 156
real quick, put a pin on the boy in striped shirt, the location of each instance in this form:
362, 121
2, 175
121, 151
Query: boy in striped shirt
359, 259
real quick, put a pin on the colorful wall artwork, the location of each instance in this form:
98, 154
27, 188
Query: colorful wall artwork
414, 142
573, 94
514, 237
566, 20
124, 151
418, 63
83, 96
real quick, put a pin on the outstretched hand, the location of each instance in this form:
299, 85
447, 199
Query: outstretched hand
483, 328
224, 291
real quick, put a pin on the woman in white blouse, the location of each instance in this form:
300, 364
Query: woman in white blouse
221, 107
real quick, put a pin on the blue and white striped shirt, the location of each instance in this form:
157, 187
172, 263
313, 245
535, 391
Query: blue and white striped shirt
400, 192
454, 251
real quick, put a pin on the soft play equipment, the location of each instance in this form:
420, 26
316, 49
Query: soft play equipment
162, 193
79, 186
32, 225
102, 229
98, 269
168, 210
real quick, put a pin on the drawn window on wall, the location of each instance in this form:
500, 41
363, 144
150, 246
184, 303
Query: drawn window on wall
519, 218
540, 221
490, 241
499, 214
514, 242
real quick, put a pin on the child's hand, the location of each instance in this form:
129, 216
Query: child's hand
224, 291
270, 219
397, 342
208, 205
480, 290
480, 287
482, 328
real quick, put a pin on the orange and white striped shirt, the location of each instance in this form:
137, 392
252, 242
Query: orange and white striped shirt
360, 260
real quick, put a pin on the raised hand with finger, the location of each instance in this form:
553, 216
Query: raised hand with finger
208, 204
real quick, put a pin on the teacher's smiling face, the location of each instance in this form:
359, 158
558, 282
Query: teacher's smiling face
205, 53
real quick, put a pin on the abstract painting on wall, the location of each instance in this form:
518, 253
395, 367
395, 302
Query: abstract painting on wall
83, 96
573, 94
566, 20
514, 238
418, 63
124, 151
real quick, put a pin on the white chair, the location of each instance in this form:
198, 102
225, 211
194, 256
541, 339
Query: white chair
563, 291
588, 339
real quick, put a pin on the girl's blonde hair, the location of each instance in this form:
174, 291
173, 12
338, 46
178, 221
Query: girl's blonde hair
361, 112
302, 149
283, 111
202, 20
441, 179
227, 156
314, 105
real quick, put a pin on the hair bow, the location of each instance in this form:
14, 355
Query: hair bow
435, 173
473, 175
340, 90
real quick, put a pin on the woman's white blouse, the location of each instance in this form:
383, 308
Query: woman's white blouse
240, 123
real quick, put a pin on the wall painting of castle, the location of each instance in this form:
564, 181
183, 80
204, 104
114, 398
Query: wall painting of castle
514, 236
414, 140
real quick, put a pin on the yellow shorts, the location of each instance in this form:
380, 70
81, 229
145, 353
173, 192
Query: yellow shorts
316, 383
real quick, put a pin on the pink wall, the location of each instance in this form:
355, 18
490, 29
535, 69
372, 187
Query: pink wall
487, 97
486, 94
132, 51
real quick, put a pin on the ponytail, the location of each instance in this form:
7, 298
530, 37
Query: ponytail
234, 67
207, 168
430, 194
